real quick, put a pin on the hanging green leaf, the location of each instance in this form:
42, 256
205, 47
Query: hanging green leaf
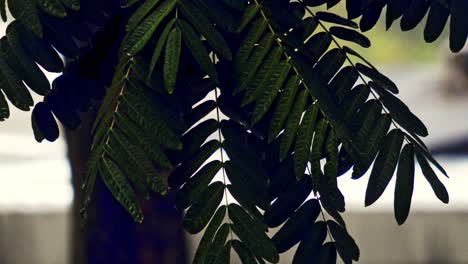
13, 87
404, 184
185, 171
293, 230
384, 166
288, 201
25, 11
304, 140
270, 90
243, 252
327, 253
206, 29
248, 43
310, 247
400, 112
458, 25
282, 108
439, 189
137, 39
248, 69
378, 78
160, 46
120, 188
292, 124
350, 35
199, 214
436, 20
335, 19
216, 247
251, 234
345, 244
3, 12
205, 243
197, 184
198, 50
45, 122
140, 14
171, 59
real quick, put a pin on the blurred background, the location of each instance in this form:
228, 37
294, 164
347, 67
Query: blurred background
38, 221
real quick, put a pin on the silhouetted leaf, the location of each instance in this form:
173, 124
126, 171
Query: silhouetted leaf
436, 20
401, 113
206, 29
199, 214
138, 16
160, 46
327, 253
293, 230
184, 171
120, 188
137, 38
384, 166
292, 123
350, 35
25, 11
288, 201
404, 184
345, 244
207, 238
335, 19
378, 78
243, 252
171, 59
431, 177
282, 108
251, 233
45, 122
458, 25
304, 140
217, 245
310, 246
198, 50
196, 185
416, 12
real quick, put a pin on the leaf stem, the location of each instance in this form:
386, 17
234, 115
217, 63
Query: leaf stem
220, 138
321, 209
117, 106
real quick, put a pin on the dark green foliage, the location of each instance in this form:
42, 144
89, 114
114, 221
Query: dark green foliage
310, 247
412, 13
251, 232
431, 177
344, 243
290, 116
293, 230
199, 213
288, 201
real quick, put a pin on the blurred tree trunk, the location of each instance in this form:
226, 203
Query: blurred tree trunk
78, 146
110, 235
